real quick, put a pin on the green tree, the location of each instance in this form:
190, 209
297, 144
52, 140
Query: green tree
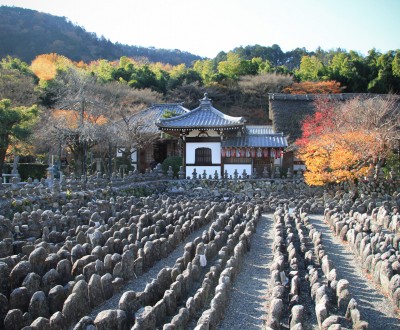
13, 63
205, 69
162, 79
15, 125
361, 73
123, 61
124, 72
180, 75
248, 67
221, 56
340, 66
310, 69
282, 69
144, 77
385, 80
350, 70
263, 66
371, 60
191, 76
293, 58
103, 69
396, 64
231, 68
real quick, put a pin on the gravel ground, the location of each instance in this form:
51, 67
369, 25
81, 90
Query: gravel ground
247, 309
139, 284
375, 308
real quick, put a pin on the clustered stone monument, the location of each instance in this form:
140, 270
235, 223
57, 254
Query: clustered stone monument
67, 249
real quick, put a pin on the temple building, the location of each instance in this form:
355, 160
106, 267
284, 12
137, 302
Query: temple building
159, 145
210, 141
217, 144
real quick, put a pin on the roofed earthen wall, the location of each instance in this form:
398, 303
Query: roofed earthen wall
287, 115
287, 111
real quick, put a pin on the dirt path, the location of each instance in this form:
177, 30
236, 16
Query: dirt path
247, 308
375, 308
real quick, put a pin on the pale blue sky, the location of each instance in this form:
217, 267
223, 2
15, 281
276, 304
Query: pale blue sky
209, 26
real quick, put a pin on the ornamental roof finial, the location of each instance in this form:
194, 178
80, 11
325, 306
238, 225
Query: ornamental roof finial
205, 99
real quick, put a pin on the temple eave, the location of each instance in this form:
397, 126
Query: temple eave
201, 128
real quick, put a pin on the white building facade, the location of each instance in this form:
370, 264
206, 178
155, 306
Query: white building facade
218, 145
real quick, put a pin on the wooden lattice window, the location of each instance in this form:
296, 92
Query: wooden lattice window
203, 156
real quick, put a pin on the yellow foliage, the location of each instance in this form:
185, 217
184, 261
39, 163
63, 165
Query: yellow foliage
161, 66
45, 66
338, 157
81, 65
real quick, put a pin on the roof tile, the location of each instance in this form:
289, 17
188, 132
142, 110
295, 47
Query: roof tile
204, 116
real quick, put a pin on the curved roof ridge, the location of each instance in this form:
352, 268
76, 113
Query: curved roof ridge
168, 104
225, 116
259, 129
264, 134
205, 115
164, 106
205, 103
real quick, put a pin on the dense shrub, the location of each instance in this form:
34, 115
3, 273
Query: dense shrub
29, 170
175, 162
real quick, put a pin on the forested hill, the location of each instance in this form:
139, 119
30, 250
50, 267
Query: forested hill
26, 33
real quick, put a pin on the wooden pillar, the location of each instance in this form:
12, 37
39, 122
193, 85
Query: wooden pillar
182, 137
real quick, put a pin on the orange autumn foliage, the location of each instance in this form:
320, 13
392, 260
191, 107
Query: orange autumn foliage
81, 65
337, 157
312, 87
72, 118
343, 141
22, 148
45, 66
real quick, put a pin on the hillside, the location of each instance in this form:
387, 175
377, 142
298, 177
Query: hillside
26, 33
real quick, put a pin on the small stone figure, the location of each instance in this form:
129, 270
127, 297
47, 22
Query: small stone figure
170, 173
181, 173
216, 175
266, 172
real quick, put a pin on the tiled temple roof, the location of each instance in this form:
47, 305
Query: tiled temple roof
259, 129
203, 117
148, 117
257, 141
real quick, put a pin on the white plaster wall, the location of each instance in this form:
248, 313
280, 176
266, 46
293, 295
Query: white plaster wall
196, 132
133, 154
215, 151
299, 167
200, 170
239, 167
